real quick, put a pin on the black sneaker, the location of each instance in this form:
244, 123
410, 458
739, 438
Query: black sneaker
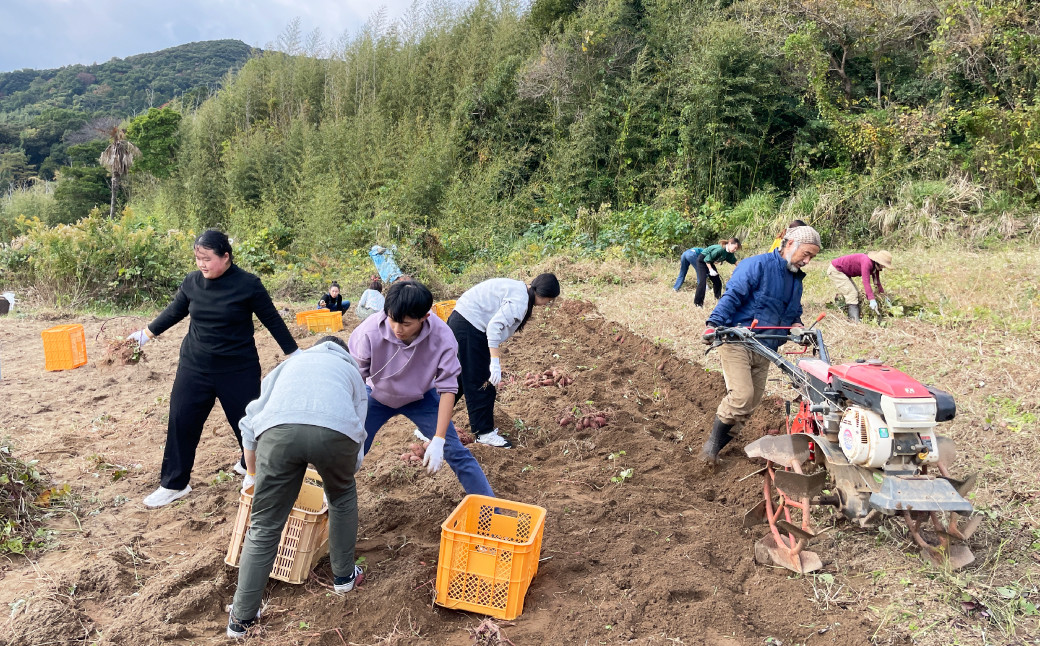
344, 584
237, 628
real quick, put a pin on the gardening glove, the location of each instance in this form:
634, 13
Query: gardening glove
496, 371
141, 336
433, 460
247, 482
708, 336
712, 272
873, 304
321, 304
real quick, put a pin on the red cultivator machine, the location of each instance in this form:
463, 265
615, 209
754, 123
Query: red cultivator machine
863, 439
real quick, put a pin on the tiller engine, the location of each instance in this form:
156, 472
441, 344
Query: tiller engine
863, 439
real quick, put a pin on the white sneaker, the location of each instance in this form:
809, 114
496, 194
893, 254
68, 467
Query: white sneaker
419, 436
494, 439
344, 584
163, 496
239, 469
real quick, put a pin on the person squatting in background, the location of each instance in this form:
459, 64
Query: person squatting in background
868, 266
703, 262
485, 316
333, 300
766, 287
780, 238
410, 363
311, 410
218, 358
371, 299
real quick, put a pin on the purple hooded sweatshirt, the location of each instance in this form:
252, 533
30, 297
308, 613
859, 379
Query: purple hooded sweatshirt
400, 374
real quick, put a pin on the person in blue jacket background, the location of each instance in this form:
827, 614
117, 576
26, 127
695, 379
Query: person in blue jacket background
767, 287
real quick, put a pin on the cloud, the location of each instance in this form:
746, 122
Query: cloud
45, 34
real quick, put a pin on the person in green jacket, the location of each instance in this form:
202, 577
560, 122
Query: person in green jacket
704, 263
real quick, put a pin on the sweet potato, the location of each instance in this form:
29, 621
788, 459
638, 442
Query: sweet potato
566, 420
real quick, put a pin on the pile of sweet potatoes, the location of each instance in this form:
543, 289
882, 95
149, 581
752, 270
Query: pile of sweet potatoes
550, 377
594, 419
415, 453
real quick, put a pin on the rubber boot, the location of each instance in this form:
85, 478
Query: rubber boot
853, 311
719, 438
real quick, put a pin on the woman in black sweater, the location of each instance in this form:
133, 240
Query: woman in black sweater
218, 357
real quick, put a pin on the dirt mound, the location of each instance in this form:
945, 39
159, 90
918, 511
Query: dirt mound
657, 556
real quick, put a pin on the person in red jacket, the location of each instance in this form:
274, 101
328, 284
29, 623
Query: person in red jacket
866, 266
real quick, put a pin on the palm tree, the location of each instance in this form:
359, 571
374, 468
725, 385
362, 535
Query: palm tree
118, 158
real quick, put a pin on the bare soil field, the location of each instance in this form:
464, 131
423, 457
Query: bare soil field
658, 557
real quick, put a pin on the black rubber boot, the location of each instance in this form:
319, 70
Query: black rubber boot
719, 438
853, 312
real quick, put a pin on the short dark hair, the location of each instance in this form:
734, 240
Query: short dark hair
333, 339
376, 284
407, 299
216, 241
797, 223
546, 285
334, 284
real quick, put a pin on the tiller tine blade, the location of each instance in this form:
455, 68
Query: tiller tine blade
756, 515
965, 532
960, 556
782, 449
797, 485
963, 487
768, 552
791, 528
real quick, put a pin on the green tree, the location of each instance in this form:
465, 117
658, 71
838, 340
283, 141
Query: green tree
156, 135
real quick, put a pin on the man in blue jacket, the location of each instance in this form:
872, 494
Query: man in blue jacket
767, 287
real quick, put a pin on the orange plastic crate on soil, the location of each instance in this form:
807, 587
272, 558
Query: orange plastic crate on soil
301, 317
443, 309
64, 347
305, 538
325, 322
489, 555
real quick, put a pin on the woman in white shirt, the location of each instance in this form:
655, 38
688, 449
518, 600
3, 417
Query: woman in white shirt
371, 299
484, 317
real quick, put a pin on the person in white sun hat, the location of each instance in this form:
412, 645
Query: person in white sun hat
867, 267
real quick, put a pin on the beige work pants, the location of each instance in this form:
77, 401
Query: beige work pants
745, 374
846, 288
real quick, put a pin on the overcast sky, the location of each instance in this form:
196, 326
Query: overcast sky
44, 34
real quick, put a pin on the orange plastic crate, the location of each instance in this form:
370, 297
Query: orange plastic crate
443, 309
325, 322
301, 318
305, 538
489, 555
64, 347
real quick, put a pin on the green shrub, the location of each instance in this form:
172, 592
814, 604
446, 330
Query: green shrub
35, 201
123, 262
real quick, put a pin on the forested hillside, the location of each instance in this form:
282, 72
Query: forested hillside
43, 112
470, 131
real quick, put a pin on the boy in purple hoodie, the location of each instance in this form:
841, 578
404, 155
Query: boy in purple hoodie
410, 364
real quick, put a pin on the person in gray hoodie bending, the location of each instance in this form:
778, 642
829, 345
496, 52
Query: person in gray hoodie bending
485, 316
311, 410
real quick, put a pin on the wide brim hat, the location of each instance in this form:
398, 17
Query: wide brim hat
882, 258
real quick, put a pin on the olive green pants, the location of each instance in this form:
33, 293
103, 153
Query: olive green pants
745, 374
282, 455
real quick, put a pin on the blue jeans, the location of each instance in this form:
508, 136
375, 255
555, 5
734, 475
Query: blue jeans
688, 258
423, 414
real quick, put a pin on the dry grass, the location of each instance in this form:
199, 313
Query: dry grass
976, 336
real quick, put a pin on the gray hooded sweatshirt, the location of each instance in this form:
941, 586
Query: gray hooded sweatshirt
320, 387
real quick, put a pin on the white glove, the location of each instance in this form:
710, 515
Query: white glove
295, 352
873, 304
496, 371
141, 336
433, 460
247, 482
712, 272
